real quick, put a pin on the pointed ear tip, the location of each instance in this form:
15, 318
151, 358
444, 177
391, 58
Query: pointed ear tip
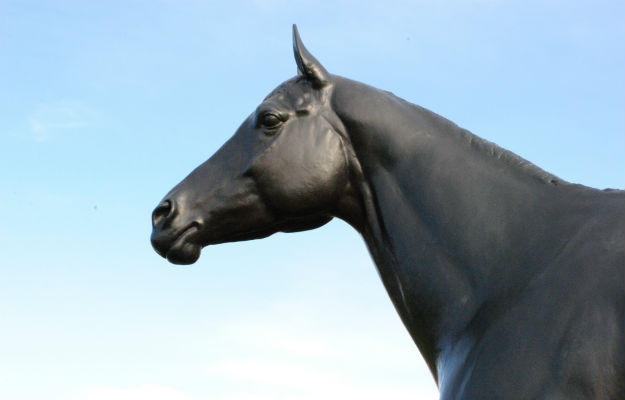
296, 38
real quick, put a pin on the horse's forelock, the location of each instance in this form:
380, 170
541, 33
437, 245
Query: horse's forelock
296, 93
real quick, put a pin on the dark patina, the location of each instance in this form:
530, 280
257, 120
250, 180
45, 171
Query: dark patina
510, 280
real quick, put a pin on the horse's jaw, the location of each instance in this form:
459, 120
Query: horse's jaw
185, 246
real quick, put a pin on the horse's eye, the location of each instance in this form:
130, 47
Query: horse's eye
271, 120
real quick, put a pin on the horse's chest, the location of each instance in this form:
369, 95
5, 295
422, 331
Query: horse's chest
532, 352
506, 364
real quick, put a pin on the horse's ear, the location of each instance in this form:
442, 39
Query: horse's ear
307, 65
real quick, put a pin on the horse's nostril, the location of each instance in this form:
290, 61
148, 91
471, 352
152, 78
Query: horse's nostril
161, 212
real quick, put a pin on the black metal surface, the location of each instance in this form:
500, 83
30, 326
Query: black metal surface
510, 281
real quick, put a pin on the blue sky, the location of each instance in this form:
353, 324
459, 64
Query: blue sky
106, 106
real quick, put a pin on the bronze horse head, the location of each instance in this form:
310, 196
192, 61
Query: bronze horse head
285, 169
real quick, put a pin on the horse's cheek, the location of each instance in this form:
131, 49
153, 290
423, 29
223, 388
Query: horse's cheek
303, 179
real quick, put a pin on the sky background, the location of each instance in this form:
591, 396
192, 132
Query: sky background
105, 106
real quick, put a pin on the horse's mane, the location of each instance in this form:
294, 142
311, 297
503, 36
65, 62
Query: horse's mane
476, 143
486, 147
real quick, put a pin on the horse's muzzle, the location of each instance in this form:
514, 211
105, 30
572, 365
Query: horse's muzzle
171, 242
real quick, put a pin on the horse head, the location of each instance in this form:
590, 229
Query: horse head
284, 170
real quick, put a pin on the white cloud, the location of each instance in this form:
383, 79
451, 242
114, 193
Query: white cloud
268, 5
277, 356
281, 374
274, 335
48, 119
281, 380
298, 330
143, 392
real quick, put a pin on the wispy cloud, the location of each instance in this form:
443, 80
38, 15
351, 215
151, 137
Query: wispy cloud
143, 392
49, 119
269, 4
303, 360
275, 336
267, 379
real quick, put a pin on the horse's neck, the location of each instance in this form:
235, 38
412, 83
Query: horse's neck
444, 216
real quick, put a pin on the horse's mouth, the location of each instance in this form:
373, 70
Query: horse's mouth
181, 250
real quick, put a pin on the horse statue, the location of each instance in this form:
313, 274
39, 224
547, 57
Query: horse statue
510, 280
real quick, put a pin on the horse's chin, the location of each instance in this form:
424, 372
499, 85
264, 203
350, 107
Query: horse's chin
184, 254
